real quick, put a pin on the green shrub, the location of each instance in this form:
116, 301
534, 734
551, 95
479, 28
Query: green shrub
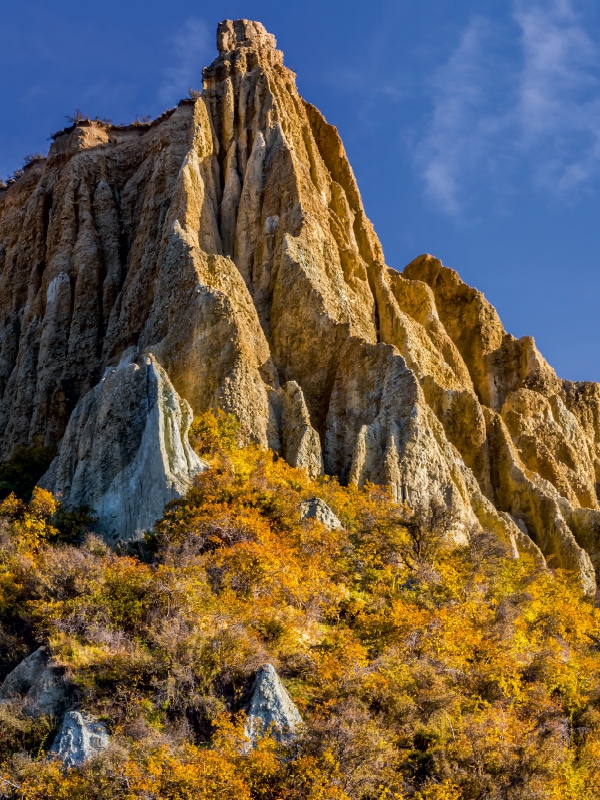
73, 523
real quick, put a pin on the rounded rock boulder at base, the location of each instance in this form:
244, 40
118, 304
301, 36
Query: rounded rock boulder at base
80, 738
40, 683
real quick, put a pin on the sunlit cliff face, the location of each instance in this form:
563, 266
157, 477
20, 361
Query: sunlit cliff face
227, 243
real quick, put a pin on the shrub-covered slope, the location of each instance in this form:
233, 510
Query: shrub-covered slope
419, 671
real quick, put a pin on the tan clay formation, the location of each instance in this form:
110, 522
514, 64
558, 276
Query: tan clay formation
227, 240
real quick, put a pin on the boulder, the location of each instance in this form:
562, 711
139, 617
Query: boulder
315, 508
80, 738
39, 682
271, 709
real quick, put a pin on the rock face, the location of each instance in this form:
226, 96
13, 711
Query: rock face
228, 241
271, 709
80, 738
315, 508
125, 452
39, 683
301, 443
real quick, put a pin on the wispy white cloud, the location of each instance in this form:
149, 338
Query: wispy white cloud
192, 49
558, 108
457, 132
503, 118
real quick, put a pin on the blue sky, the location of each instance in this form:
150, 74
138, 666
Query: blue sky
473, 126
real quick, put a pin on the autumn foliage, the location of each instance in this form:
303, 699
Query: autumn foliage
421, 671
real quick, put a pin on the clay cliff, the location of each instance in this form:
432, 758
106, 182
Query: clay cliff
220, 257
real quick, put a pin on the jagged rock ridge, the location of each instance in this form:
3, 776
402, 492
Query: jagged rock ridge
228, 242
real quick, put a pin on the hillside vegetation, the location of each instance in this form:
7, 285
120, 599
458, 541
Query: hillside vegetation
420, 671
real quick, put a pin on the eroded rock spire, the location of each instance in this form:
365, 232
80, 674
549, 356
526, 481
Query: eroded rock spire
228, 241
232, 34
272, 711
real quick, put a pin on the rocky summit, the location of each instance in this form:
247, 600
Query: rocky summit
220, 257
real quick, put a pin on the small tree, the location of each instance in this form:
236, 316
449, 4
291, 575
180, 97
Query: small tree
428, 529
212, 433
77, 117
32, 158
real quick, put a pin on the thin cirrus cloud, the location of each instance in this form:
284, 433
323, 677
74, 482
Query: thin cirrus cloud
191, 49
534, 118
458, 133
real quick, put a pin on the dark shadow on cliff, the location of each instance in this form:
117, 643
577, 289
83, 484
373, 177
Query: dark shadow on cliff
21, 472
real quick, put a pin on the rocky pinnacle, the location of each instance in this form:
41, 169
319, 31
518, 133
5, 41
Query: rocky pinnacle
227, 242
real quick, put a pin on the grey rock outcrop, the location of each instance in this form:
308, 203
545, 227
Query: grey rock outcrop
315, 508
301, 443
295, 436
271, 709
39, 683
80, 738
125, 452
